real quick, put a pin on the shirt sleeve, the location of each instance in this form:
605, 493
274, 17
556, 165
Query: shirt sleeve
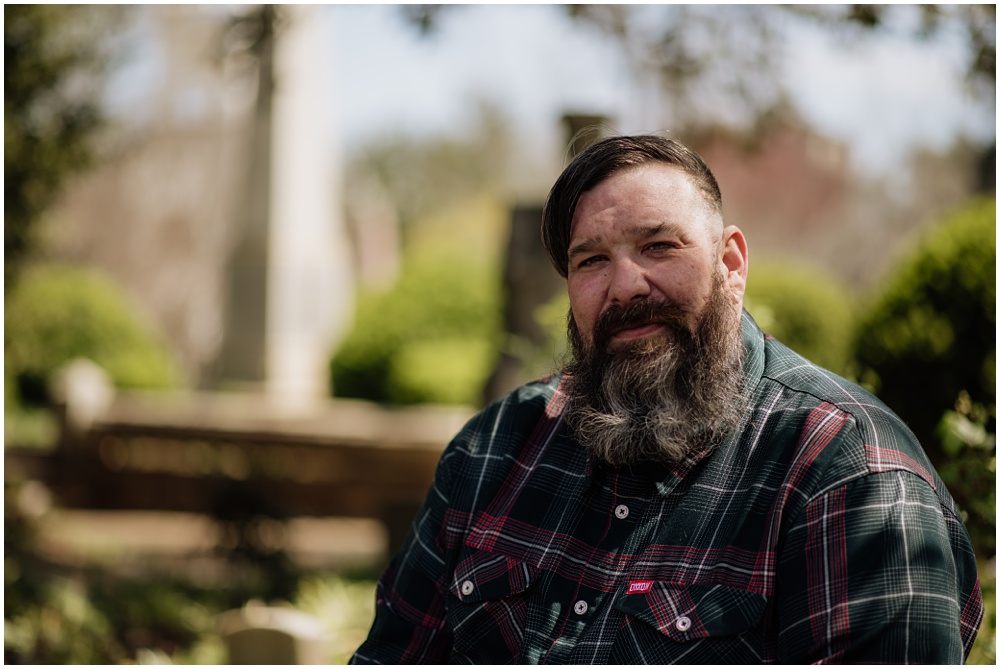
409, 626
877, 571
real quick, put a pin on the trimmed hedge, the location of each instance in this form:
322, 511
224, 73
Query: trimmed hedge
431, 338
806, 309
931, 333
57, 313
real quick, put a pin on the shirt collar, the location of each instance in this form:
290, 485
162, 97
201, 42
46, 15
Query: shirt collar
753, 353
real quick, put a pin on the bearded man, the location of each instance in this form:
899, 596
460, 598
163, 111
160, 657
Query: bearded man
688, 489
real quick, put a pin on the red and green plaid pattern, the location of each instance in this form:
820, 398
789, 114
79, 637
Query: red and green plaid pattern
817, 532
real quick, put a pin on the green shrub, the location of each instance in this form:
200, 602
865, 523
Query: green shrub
64, 628
448, 371
57, 313
969, 467
431, 338
805, 309
552, 317
931, 334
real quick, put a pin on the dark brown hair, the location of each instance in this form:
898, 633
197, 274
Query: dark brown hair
600, 161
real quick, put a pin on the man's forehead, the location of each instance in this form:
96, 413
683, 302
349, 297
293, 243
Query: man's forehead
684, 218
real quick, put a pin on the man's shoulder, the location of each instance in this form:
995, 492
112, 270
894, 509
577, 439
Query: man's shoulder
506, 421
534, 399
795, 373
540, 391
872, 436
795, 382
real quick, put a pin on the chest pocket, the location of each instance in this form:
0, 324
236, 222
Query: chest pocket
685, 613
489, 618
485, 576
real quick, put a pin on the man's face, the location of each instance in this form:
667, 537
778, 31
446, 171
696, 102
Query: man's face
648, 234
655, 286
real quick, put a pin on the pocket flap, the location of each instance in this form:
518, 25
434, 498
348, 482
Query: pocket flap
687, 612
485, 575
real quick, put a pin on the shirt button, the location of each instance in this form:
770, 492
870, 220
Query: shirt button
580, 608
467, 587
683, 624
621, 511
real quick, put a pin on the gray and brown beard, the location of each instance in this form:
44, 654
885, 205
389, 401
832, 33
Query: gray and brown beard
662, 397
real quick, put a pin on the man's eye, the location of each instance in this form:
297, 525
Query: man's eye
589, 261
661, 246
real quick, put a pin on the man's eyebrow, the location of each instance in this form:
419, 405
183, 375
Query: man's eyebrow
650, 231
586, 246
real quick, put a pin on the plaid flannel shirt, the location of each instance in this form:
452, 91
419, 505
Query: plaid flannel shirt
817, 532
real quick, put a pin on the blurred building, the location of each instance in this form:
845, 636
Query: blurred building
796, 195
787, 188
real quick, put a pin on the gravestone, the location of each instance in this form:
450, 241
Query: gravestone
265, 635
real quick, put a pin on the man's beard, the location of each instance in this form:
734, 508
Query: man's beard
661, 397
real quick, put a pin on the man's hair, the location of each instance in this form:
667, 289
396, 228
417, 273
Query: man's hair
600, 161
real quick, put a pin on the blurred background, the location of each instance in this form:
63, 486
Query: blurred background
262, 262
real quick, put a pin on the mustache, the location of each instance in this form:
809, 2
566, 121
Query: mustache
618, 317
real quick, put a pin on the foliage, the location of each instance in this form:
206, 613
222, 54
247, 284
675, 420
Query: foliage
984, 650
690, 52
346, 608
552, 317
64, 628
442, 371
54, 58
970, 467
48, 618
100, 619
68, 611
57, 313
724, 67
431, 338
975, 25
931, 333
699, 53
805, 309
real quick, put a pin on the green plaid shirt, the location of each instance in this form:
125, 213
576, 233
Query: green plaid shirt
817, 532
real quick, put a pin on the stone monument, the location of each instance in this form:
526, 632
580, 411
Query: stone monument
289, 274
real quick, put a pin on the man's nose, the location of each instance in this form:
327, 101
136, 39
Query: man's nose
628, 282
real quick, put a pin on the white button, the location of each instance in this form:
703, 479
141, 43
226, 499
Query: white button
683, 624
580, 607
621, 511
467, 588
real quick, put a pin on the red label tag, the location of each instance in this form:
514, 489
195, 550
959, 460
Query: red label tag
639, 586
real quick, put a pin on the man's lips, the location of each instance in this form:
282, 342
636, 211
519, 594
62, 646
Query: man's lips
637, 331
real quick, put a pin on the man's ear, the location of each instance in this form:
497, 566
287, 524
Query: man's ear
735, 262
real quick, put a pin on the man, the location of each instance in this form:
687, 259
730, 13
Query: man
688, 489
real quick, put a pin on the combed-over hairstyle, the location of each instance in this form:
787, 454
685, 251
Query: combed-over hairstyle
603, 159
